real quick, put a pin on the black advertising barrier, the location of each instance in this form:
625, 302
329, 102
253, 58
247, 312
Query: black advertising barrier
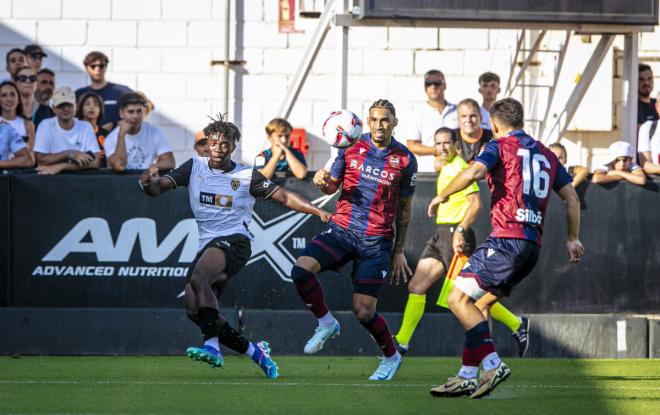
5, 243
97, 241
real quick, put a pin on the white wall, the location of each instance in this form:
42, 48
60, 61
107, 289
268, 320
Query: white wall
164, 48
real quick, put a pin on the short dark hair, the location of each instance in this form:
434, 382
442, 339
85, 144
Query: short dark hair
19, 50
383, 103
489, 77
509, 111
221, 127
470, 103
432, 72
446, 130
131, 98
95, 56
81, 102
46, 71
644, 67
19, 106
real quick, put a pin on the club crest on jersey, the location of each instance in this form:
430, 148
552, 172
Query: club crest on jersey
394, 160
235, 184
216, 201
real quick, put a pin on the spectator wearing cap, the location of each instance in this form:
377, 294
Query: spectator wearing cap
96, 65
16, 59
35, 57
579, 173
648, 145
135, 144
201, 144
42, 95
620, 167
14, 153
280, 158
435, 113
64, 143
90, 108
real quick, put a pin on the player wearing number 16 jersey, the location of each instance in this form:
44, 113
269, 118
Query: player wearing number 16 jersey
521, 172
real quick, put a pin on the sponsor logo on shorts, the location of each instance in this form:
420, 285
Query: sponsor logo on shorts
490, 252
529, 216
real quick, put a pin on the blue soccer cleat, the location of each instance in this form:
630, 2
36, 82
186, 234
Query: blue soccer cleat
321, 335
207, 354
387, 368
262, 358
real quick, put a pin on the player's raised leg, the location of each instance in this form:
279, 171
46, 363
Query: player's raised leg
427, 273
310, 291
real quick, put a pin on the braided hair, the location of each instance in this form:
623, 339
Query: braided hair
221, 127
383, 103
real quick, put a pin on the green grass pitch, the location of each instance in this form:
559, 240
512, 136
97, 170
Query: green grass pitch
317, 385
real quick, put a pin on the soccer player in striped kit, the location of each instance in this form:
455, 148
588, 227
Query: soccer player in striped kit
377, 177
521, 171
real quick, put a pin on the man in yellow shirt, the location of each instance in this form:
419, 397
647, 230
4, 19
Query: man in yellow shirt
453, 234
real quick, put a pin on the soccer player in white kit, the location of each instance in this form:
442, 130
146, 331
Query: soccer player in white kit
222, 195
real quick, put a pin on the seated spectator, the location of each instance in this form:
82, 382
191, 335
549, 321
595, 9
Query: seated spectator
42, 95
150, 105
90, 108
201, 144
26, 81
621, 166
35, 57
135, 144
280, 157
16, 59
472, 138
579, 173
11, 112
12, 144
648, 145
64, 143
96, 64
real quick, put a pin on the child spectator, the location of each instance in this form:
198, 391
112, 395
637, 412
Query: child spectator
11, 112
90, 109
280, 157
621, 166
579, 173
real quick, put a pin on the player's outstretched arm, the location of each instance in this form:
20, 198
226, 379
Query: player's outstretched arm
573, 244
462, 180
400, 268
323, 181
298, 203
152, 184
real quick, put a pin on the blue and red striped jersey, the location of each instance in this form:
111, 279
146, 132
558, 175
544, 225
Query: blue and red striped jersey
373, 182
521, 172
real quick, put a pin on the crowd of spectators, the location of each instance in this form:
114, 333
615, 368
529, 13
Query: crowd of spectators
103, 125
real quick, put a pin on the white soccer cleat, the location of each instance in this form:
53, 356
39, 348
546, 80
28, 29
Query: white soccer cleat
387, 368
322, 335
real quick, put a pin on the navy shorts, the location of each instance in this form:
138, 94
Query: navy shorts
497, 266
371, 255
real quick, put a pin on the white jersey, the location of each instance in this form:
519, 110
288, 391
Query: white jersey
647, 143
222, 202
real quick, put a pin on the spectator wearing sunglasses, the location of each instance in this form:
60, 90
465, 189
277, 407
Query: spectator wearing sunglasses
26, 81
35, 57
42, 95
96, 64
435, 113
15, 60
621, 166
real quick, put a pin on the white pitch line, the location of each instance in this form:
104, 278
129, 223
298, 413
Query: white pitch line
277, 383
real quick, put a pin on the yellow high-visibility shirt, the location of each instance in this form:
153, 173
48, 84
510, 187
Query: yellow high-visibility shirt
453, 210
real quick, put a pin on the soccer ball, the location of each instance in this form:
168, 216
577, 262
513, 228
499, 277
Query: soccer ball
342, 128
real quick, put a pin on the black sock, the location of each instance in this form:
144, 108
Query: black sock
208, 322
232, 339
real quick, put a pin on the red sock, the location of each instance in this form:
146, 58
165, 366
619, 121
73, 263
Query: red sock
478, 344
378, 329
311, 293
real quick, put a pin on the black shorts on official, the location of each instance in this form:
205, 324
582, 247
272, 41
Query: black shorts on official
238, 250
440, 246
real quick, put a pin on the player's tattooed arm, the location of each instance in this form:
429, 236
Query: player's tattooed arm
400, 266
298, 203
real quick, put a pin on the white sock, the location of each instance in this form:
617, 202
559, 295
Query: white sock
250, 351
213, 343
395, 356
468, 372
327, 320
492, 361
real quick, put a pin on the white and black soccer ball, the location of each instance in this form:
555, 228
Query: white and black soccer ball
342, 128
